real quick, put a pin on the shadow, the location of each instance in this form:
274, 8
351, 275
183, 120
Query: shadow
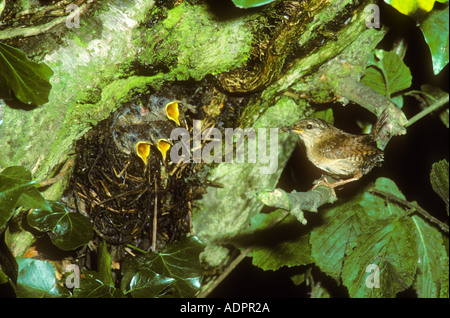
13, 102
226, 10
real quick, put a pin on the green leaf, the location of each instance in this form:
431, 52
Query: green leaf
409, 7
8, 264
14, 181
92, 287
250, 3
67, 230
439, 180
435, 31
104, 264
386, 73
33, 199
345, 222
286, 244
37, 279
177, 266
391, 245
27, 79
431, 260
148, 284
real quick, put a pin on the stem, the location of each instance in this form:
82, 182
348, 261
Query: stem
238, 259
410, 205
426, 111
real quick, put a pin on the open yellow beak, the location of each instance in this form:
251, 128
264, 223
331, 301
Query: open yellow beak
163, 147
143, 150
172, 112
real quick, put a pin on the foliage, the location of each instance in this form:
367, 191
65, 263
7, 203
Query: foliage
28, 80
354, 235
174, 272
250, 3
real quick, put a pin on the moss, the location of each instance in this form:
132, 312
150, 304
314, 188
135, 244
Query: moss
192, 43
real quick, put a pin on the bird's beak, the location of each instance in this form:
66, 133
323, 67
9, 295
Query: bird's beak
173, 112
291, 129
143, 150
163, 147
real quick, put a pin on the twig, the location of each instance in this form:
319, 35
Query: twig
36, 30
155, 219
238, 259
440, 102
59, 176
410, 205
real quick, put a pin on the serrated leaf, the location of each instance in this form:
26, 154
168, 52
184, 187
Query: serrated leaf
409, 7
386, 73
67, 230
391, 245
345, 222
436, 33
250, 3
27, 79
285, 244
431, 256
37, 279
14, 181
439, 177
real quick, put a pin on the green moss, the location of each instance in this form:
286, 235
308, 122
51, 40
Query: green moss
192, 43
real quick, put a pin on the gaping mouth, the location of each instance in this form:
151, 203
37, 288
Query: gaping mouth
172, 112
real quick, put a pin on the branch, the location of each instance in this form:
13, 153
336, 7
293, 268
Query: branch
36, 30
296, 202
376, 103
410, 205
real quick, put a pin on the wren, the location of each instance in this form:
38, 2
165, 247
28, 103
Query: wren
343, 156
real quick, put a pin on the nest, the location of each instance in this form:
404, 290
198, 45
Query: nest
124, 181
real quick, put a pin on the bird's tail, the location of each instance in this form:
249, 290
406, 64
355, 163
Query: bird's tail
382, 120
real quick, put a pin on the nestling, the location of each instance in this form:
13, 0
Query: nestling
341, 155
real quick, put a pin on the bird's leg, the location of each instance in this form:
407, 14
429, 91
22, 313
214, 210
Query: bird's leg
333, 185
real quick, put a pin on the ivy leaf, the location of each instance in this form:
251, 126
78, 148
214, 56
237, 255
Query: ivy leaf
14, 181
435, 31
177, 266
286, 244
250, 3
439, 180
37, 279
386, 73
104, 264
33, 199
27, 79
409, 7
148, 284
67, 230
92, 287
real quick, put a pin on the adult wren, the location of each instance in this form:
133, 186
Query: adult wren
341, 155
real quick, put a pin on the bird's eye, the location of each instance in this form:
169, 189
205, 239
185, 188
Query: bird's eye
309, 126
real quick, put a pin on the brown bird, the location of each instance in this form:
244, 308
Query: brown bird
341, 155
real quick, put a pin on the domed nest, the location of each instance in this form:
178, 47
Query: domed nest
124, 179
